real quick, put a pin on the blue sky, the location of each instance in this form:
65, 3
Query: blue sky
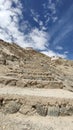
45, 25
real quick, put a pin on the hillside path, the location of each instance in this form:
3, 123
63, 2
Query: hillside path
54, 93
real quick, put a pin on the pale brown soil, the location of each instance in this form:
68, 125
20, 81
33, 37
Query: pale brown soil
20, 122
50, 93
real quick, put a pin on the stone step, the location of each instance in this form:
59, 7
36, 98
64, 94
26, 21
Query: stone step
36, 102
40, 84
31, 72
8, 80
20, 82
27, 74
37, 77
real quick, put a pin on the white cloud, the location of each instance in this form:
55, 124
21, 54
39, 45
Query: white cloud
59, 47
66, 52
37, 39
52, 6
54, 19
52, 53
50, 13
36, 18
9, 21
10, 28
35, 15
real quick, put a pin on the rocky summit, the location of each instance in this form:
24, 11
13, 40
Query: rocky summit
36, 91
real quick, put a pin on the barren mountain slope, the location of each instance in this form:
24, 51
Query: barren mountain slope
29, 68
36, 91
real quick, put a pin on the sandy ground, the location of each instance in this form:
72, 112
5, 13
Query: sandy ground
20, 122
54, 93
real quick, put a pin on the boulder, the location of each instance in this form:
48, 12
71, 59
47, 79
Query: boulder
41, 110
66, 111
27, 110
53, 111
12, 107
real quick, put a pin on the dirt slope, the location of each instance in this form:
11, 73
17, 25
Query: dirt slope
29, 68
36, 91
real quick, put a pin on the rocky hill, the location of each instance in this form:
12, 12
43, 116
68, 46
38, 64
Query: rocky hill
34, 85
28, 68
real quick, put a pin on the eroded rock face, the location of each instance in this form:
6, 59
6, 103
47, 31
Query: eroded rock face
30, 108
68, 110
12, 107
1, 102
53, 111
2, 61
41, 110
27, 110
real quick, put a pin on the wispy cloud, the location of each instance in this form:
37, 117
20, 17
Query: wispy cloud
63, 34
37, 39
63, 28
59, 47
12, 31
36, 18
50, 12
